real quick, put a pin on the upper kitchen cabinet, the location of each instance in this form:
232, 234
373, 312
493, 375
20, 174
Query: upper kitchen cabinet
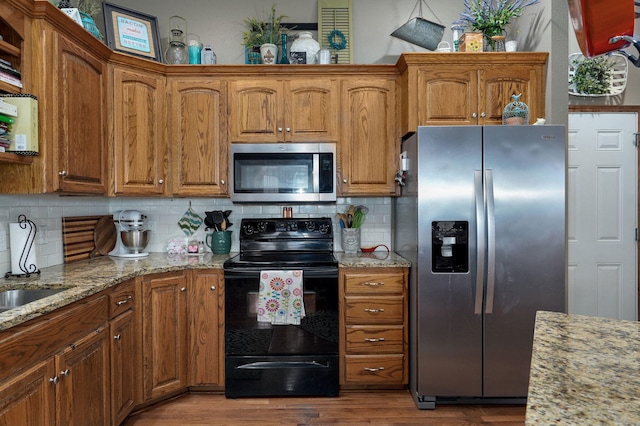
369, 143
138, 132
296, 109
469, 88
198, 129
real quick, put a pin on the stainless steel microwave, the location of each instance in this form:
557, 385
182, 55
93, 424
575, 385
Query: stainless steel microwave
283, 173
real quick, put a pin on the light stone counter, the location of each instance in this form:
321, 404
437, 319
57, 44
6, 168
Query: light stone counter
584, 371
87, 277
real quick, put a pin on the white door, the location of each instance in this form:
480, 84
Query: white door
602, 215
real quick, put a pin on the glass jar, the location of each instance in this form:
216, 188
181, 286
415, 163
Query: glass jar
306, 43
176, 53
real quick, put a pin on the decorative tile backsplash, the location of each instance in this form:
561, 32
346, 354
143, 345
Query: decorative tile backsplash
163, 215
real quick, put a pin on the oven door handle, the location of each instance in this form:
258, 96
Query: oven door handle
265, 365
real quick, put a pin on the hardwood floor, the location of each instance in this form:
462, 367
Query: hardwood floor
380, 408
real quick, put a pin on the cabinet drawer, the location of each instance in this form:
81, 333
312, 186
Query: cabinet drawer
122, 298
374, 369
374, 340
374, 283
374, 310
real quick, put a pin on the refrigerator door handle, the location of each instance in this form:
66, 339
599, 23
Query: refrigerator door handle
480, 240
491, 241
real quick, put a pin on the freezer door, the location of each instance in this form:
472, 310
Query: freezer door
525, 187
447, 360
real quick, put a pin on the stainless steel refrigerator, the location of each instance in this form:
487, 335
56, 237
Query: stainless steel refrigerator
482, 220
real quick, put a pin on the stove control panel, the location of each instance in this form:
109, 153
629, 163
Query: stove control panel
286, 228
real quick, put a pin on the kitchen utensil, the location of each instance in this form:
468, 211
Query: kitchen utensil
104, 236
373, 248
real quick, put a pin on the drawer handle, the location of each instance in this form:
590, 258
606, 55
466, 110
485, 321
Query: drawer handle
122, 302
373, 311
373, 283
373, 370
373, 339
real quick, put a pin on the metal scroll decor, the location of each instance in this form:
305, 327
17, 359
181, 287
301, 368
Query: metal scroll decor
26, 261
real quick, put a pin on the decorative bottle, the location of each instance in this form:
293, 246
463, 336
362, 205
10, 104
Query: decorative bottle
284, 57
306, 43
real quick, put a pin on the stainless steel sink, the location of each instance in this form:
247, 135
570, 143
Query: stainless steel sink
11, 299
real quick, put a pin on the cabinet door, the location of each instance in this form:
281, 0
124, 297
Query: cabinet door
79, 83
311, 110
198, 123
83, 390
206, 328
139, 133
30, 395
500, 83
164, 329
255, 106
369, 145
124, 371
447, 96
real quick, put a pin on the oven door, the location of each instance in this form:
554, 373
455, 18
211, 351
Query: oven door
262, 359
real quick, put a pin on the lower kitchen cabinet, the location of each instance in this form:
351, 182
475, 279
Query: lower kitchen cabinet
164, 334
30, 395
83, 386
206, 328
374, 339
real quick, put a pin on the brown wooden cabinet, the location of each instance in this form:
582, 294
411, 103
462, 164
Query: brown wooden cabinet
294, 109
198, 135
206, 328
124, 345
138, 132
164, 334
469, 88
83, 393
29, 395
369, 144
374, 340
55, 369
77, 79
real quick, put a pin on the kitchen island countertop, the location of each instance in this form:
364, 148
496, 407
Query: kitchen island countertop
584, 371
86, 277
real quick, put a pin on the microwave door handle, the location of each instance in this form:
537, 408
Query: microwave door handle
316, 173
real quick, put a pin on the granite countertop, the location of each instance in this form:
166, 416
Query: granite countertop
584, 371
86, 277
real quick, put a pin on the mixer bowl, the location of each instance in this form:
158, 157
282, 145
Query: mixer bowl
136, 241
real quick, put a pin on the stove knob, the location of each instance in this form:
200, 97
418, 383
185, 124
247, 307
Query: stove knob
325, 229
262, 226
311, 226
248, 229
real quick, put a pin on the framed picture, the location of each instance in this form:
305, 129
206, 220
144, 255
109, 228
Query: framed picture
131, 32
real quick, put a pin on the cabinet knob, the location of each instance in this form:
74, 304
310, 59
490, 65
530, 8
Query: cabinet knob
344, 181
62, 173
117, 337
213, 288
183, 289
65, 372
483, 115
54, 380
474, 115
288, 129
222, 182
160, 181
280, 129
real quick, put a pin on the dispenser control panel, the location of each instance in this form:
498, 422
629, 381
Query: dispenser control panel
450, 246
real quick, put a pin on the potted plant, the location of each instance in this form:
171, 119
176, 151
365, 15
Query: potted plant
592, 76
491, 17
264, 34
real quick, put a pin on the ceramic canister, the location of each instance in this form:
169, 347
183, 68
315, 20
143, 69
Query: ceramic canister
306, 43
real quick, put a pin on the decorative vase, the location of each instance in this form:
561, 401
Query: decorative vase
284, 56
219, 242
268, 53
306, 43
89, 24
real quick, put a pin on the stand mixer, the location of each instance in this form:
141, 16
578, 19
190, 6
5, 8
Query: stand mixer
133, 235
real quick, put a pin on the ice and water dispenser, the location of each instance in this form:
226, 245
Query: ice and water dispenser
450, 246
